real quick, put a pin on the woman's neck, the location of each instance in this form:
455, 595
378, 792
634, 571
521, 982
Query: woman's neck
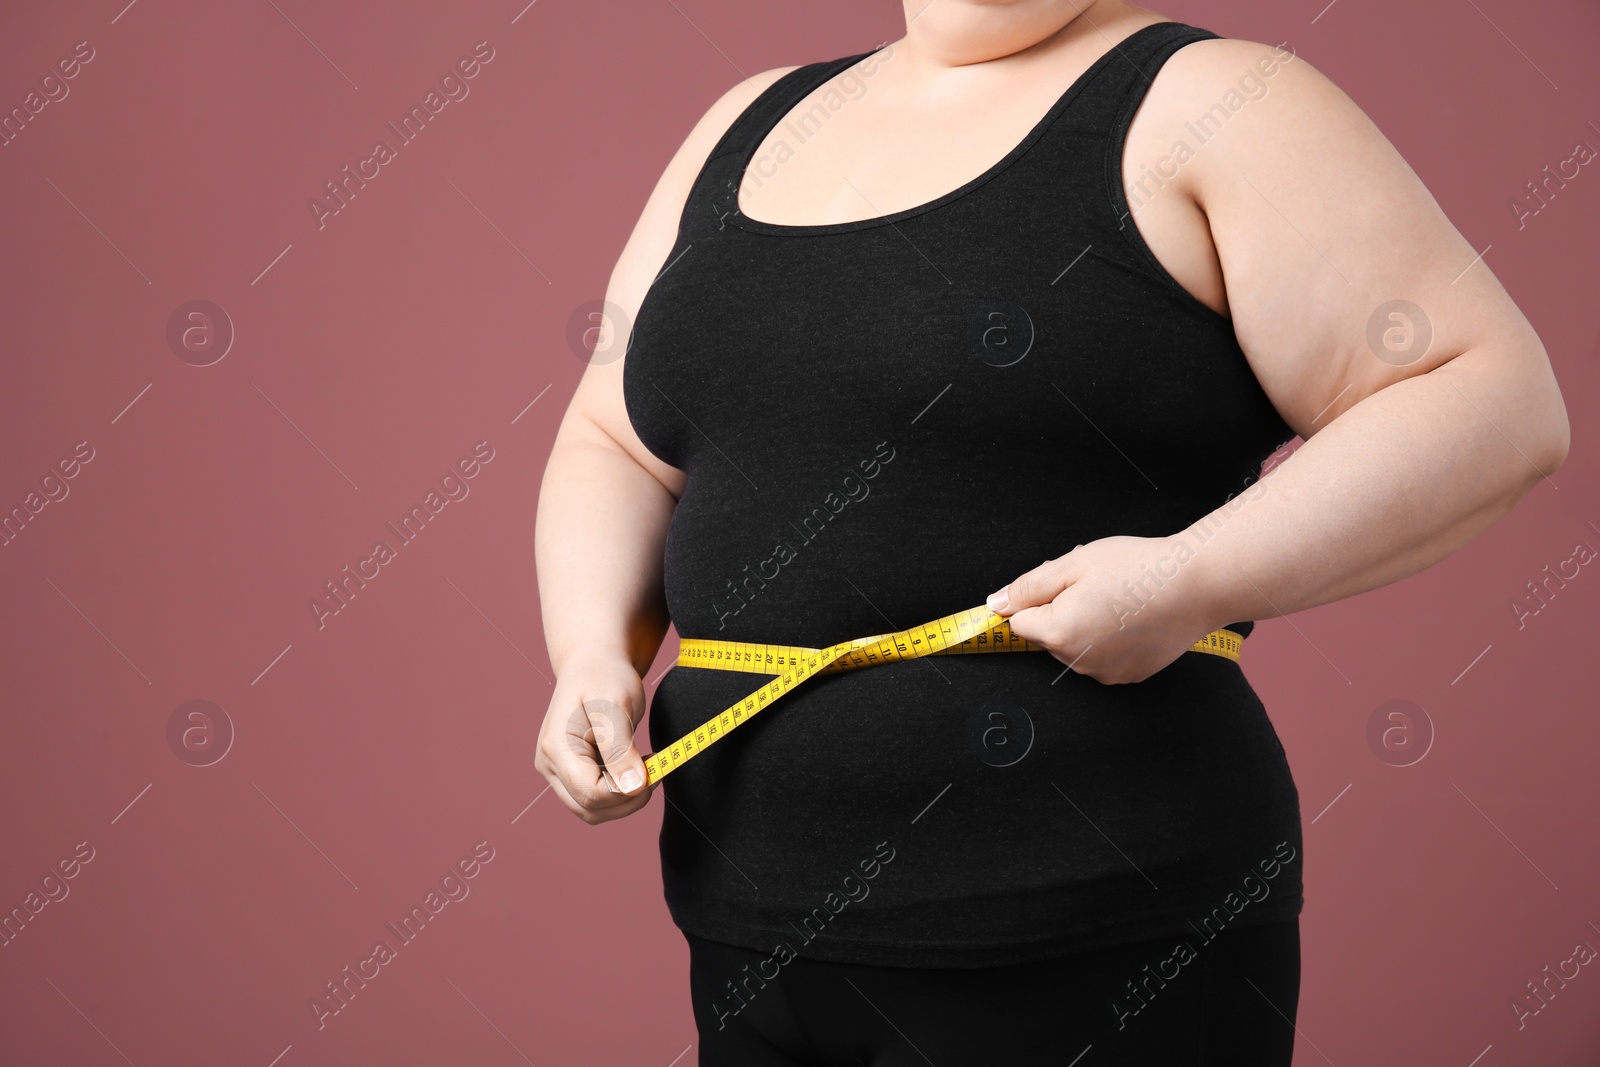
941, 34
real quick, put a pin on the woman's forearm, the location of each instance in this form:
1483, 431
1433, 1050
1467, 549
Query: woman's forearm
1393, 485
599, 533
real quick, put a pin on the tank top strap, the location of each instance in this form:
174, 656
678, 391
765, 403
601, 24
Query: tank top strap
1108, 100
715, 191
1105, 108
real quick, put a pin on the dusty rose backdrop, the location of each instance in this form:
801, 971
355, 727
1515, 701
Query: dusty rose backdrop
216, 399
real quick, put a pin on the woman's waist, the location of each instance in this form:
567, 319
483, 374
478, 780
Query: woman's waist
988, 707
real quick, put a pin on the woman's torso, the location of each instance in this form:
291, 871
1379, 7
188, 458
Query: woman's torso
881, 420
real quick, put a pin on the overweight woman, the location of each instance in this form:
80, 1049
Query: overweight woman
999, 323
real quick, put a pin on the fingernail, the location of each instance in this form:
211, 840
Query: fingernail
630, 780
998, 601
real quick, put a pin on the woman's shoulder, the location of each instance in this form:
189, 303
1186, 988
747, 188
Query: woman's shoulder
732, 103
745, 92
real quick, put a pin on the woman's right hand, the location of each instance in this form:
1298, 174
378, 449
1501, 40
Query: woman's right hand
589, 729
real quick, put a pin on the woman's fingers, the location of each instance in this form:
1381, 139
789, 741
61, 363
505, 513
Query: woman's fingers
1038, 586
610, 737
586, 745
595, 815
574, 768
1047, 625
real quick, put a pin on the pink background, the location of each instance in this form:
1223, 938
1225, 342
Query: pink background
371, 355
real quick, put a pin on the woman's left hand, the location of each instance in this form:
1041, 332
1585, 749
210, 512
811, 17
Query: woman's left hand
1118, 609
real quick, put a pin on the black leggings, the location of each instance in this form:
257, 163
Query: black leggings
1230, 1000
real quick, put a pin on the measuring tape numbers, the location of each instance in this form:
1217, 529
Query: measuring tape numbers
973, 631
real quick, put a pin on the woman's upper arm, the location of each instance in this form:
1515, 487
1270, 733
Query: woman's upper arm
597, 412
1342, 272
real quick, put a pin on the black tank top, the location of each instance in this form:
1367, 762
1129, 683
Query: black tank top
881, 421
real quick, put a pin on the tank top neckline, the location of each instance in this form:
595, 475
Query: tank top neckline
746, 153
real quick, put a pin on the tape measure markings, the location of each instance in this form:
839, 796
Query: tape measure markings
973, 631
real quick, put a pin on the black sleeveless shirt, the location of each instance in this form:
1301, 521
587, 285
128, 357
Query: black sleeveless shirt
881, 421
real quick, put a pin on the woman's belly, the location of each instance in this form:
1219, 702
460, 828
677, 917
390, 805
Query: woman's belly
1021, 802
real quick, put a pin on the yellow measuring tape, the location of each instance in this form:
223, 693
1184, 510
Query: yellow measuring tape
974, 630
